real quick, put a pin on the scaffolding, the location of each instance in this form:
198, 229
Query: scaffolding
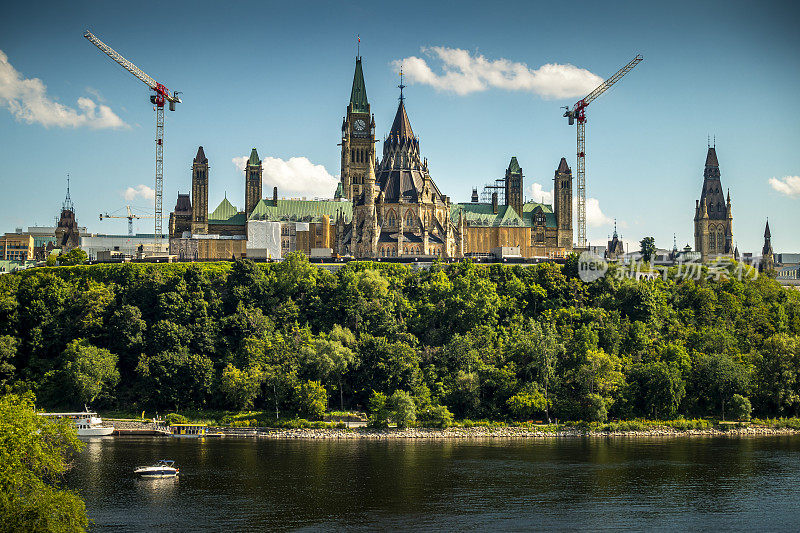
499, 187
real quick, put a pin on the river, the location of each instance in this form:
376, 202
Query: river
592, 483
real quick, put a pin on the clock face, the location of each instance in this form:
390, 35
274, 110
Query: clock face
360, 125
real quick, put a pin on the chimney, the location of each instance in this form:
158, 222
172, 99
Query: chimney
494, 203
275, 196
474, 199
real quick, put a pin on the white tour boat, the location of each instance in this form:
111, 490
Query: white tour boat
163, 468
87, 423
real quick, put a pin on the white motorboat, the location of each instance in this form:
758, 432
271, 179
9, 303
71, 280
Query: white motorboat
163, 468
87, 423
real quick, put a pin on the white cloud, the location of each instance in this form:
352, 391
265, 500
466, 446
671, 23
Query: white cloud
27, 100
594, 215
789, 185
296, 176
537, 193
464, 73
139, 191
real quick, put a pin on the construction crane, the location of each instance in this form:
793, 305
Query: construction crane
130, 216
160, 97
578, 114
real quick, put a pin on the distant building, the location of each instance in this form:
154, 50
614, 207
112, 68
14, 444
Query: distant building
787, 259
68, 235
127, 245
16, 247
615, 250
713, 218
767, 262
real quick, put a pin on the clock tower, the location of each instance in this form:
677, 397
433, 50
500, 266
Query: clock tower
358, 137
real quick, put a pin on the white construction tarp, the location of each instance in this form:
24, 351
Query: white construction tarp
301, 226
263, 239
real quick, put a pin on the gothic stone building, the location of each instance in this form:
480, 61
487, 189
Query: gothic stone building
382, 208
398, 210
713, 218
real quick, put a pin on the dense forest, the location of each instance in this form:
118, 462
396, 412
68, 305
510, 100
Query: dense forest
481, 342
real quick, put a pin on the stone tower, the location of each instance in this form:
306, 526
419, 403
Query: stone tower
358, 137
562, 203
252, 182
713, 217
67, 231
767, 257
200, 193
368, 216
514, 196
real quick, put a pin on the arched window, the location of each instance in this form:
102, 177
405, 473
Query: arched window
720, 241
390, 219
409, 218
712, 240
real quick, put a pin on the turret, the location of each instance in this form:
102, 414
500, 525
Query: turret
199, 224
253, 172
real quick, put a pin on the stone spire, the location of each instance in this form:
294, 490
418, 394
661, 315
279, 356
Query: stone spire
358, 95
767, 257
253, 173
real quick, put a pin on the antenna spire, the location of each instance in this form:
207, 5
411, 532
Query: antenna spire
401, 83
67, 205
358, 46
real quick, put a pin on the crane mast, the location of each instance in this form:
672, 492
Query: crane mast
578, 114
160, 97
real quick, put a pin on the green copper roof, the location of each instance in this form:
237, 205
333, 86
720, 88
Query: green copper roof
254, 160
224, 212
300, 210
358, 96
482, 215
514, 167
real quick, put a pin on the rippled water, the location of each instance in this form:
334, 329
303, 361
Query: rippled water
592, 483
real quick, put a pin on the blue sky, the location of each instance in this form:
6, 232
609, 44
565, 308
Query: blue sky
277, 77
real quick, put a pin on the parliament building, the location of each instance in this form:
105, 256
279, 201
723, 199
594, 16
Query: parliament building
387, 207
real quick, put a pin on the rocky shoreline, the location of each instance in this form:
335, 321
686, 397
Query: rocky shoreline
469, 433
507, 433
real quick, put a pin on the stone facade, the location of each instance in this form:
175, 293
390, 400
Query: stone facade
713, 218
199, 204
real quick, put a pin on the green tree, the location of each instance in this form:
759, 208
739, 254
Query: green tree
175, 379
327, 358
311, 400
716, 378
740, 408
526, 404
89, 372
655, 390
76, 256
240, 388
379, 411
438, 416
8, 352
34, 454
403, 408
647, 247
596, 408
